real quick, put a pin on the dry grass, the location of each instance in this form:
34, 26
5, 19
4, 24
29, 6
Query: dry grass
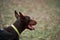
46, 12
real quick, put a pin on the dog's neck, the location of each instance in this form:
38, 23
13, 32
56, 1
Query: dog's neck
19, 25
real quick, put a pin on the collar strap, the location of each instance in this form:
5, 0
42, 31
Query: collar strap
15, 30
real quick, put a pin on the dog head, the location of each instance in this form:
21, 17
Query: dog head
27, 22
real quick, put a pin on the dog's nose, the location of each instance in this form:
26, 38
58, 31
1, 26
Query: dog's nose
35, 22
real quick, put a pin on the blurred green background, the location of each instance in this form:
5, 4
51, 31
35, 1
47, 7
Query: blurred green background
45, 12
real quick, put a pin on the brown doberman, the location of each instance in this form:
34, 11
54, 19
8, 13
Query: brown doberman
22, 23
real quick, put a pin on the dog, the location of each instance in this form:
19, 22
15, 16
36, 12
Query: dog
13, 31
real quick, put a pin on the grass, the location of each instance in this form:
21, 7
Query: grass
45, 12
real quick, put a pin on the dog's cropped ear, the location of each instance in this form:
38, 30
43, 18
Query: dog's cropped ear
21, 15
16, 14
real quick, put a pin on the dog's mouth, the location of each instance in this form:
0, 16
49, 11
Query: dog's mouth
31, 24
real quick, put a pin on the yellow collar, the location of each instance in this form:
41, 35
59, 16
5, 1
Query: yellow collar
16, 30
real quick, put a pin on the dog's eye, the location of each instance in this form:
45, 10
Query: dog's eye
27, 17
